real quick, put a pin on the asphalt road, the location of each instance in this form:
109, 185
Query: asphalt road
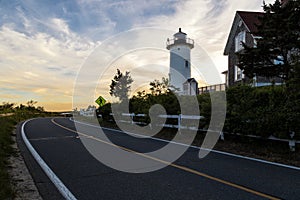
216, 176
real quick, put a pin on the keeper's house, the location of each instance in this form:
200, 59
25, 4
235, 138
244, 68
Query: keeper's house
243, 30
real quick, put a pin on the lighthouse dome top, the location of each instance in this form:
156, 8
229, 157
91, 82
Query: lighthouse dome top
180, 38
180, 35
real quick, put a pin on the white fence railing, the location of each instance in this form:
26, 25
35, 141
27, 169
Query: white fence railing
179, 118
179, 125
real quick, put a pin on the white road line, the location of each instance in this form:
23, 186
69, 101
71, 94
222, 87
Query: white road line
195, 147
52, 176
52, 138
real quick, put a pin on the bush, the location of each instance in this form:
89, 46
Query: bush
259, 111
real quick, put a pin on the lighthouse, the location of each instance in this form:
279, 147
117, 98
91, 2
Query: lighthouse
180, 60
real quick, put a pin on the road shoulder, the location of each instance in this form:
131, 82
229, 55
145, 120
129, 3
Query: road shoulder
45, 187
21, 179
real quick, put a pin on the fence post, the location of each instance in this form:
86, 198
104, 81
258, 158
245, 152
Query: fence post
221, 135
179, 122
132, 115
292, 142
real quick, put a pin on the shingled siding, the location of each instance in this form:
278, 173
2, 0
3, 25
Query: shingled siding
233, 58
243, 21
231, 62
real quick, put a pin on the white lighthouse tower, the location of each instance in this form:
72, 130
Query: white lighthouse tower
180, 59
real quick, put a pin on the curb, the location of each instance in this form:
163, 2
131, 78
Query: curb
65, 192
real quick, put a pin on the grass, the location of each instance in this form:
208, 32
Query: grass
7, 125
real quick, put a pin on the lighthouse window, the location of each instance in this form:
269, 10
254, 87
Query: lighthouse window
186, 63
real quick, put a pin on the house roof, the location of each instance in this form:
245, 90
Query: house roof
224, 72
190, 80
250, 19
284, 2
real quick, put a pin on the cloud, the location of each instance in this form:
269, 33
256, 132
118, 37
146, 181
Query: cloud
207, 22
29, 75
41, 65
55, 68
9, 97
44, 44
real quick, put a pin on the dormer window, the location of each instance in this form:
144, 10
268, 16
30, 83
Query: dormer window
255, 39
254, 43
240, 23
238, 73
239, 40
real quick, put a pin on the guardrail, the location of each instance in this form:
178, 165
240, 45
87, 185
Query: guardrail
292, 142
178, 125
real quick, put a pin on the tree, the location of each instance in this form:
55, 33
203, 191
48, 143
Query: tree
277, 48
105, 111
120, 85
31, 103
6, 107
40, 109
159, 87
293, 104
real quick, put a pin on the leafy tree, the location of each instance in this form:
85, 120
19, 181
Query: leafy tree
293, 104
40, 109
31, 103
21, 107
141, 94
277, 48
91, 107
159, 87
6, 107
105, 112
120, 85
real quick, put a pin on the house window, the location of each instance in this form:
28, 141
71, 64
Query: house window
240, 23
239, 40
238, 73
255, 39
254, 43
186, 63
279, 60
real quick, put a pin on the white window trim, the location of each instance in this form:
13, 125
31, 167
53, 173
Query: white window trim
255, 38
254, 43
239, 38
236, 70
278, 61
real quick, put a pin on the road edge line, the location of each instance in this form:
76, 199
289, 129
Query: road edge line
65, 192
195, 147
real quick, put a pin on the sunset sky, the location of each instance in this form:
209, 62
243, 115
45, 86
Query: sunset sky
46, 47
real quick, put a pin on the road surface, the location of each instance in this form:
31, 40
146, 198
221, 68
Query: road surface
217, 176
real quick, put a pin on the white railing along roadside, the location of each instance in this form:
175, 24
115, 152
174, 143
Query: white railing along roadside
292, 142
178, 117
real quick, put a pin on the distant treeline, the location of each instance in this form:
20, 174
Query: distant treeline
7, 107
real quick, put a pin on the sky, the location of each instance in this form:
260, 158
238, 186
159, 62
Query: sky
49, 49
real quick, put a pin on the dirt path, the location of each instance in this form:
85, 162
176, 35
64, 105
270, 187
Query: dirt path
22, 181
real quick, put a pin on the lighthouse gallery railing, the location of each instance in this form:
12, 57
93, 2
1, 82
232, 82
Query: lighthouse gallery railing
171, 42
